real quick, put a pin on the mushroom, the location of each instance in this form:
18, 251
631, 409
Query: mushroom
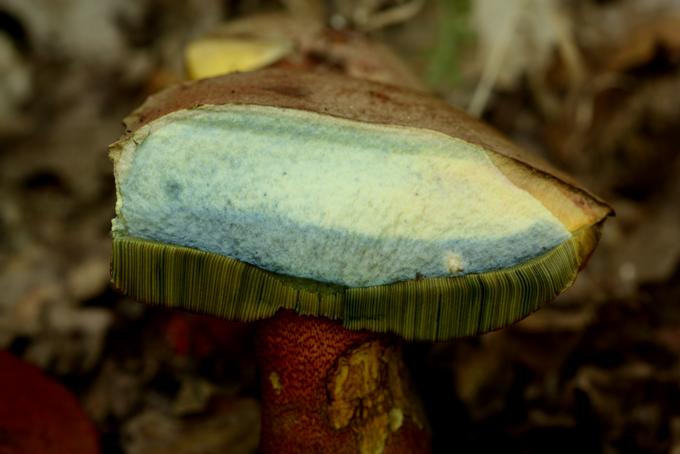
344, 215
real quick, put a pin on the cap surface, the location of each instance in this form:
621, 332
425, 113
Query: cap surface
337, 197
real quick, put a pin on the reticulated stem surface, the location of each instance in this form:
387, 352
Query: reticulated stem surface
327, 389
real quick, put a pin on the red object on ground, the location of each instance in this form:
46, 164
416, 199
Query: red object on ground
201, 336
38, 415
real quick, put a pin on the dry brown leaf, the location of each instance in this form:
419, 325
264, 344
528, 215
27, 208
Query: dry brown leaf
233, 428
642, 43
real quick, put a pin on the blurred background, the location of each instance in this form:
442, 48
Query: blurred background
591, 85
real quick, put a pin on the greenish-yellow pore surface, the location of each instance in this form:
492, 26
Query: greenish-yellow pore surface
307, 195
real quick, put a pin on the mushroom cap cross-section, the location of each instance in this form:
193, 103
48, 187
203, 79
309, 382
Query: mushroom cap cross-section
376, 206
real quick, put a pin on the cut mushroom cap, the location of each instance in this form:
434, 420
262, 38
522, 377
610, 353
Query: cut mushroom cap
377, 206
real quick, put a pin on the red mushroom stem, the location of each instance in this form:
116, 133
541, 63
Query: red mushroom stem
327, 389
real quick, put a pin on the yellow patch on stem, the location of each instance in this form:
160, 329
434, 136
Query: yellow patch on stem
367, 391
275, 381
